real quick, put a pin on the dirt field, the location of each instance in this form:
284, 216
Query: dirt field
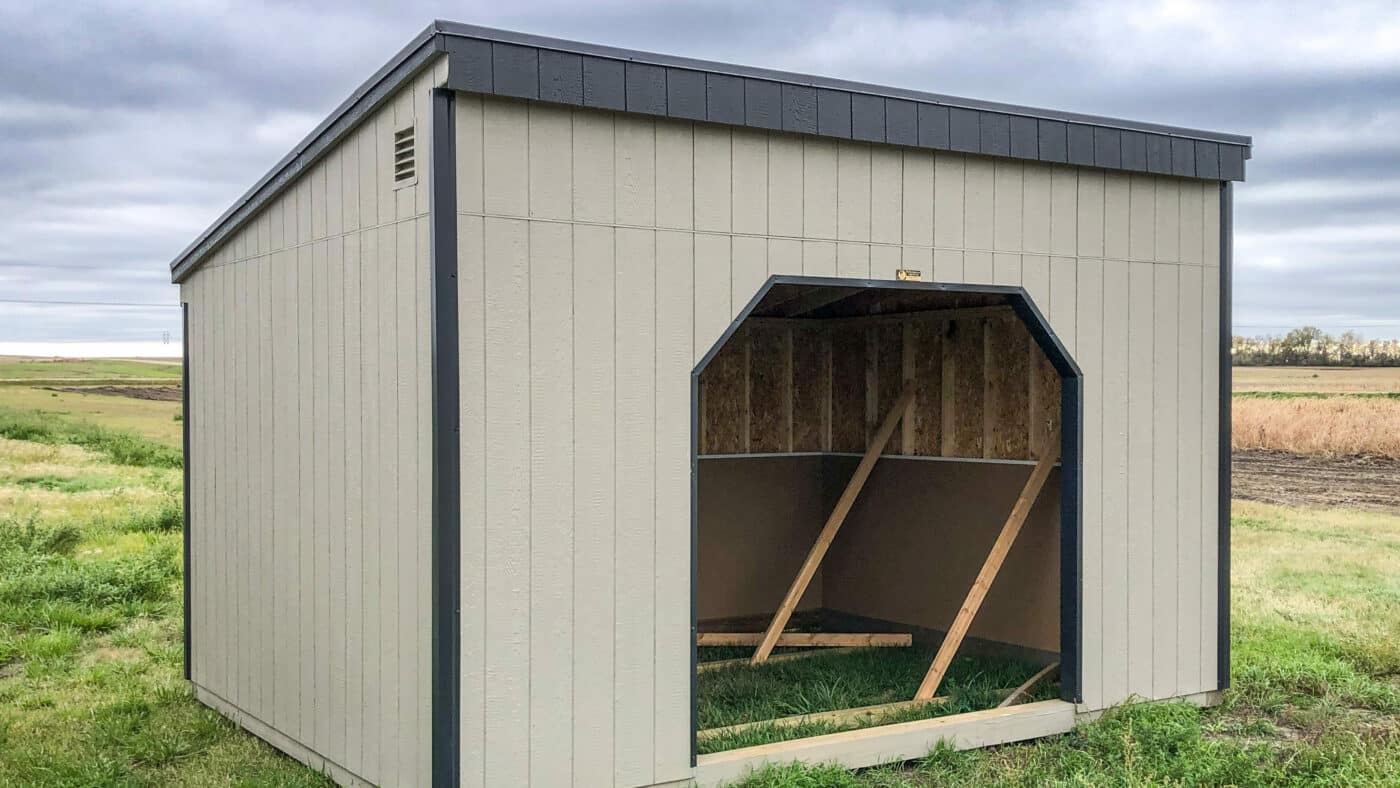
1319, 450
163, 393
1317, 379
1369, 483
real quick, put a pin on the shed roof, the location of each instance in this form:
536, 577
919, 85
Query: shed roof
520, 65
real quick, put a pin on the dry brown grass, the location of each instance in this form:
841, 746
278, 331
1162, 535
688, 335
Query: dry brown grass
1317, 379
1329, 426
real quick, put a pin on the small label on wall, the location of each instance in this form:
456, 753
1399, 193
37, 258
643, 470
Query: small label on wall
908, 275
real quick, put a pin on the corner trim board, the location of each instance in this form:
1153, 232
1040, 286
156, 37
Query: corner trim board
185, 470
1227, 253
446, 446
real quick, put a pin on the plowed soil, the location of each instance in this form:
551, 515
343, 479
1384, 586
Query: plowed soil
157, 393
1371, 483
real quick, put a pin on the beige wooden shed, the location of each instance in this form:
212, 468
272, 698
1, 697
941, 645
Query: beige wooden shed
539, 363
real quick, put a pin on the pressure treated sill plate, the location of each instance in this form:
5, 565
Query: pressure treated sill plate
898, 742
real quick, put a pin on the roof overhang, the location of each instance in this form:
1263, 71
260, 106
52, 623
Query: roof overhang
518, 65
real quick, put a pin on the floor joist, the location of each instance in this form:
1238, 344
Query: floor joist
897, 741
859, 715
788, 639
721, 664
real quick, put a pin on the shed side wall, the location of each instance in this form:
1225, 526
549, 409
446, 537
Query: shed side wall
310, 465
602, 254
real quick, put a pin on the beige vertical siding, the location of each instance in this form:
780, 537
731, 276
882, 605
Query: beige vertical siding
602, 255
310, 459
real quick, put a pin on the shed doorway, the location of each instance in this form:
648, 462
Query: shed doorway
885, 510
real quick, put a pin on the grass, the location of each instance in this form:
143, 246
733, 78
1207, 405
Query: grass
1315, 698
1287, 395
91, 688
85, 370
123, 448
1318, 425
90, 655
149, 419
1317, 379
740, 694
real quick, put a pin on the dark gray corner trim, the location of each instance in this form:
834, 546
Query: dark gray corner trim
446, 448
537, 68
366, 98
185, 472
679, 87
1227, 255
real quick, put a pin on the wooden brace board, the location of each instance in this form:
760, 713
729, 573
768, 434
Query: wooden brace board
985, 577
1029, 684
833, 524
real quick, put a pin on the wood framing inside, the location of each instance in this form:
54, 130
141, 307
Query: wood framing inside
982, 387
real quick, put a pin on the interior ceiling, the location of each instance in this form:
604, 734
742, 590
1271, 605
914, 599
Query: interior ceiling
817, 302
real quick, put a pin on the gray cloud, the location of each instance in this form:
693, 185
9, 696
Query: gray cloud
125, 129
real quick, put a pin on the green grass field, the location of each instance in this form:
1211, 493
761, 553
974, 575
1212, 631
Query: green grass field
90, 648
158, 421
91, 692
1316, 394
23, 368
95, 369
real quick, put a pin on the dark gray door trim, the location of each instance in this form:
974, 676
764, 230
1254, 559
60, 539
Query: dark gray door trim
446, 524
1071, 463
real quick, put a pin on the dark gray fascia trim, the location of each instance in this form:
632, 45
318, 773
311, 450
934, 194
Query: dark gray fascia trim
521, 65
538, 68
367, 97
185, 469
1227, 254
446, 446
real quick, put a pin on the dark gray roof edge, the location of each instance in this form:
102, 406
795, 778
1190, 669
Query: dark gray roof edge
1084, 148
406, 63
652, 58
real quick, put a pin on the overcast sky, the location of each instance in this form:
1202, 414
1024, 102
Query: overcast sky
125, 129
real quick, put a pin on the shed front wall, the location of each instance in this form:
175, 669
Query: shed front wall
310, 407
602, 254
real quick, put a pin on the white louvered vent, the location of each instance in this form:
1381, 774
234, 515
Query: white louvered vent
405, 167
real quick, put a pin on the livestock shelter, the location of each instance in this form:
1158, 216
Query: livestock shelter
551, 401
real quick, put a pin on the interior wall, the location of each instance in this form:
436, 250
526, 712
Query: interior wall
982, 387
918, 535
758, 517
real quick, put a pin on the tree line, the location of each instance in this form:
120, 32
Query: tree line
1311, 346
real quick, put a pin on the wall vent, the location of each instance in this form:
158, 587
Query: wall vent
405, 169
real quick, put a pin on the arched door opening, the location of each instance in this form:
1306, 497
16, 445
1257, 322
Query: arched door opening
886, 508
